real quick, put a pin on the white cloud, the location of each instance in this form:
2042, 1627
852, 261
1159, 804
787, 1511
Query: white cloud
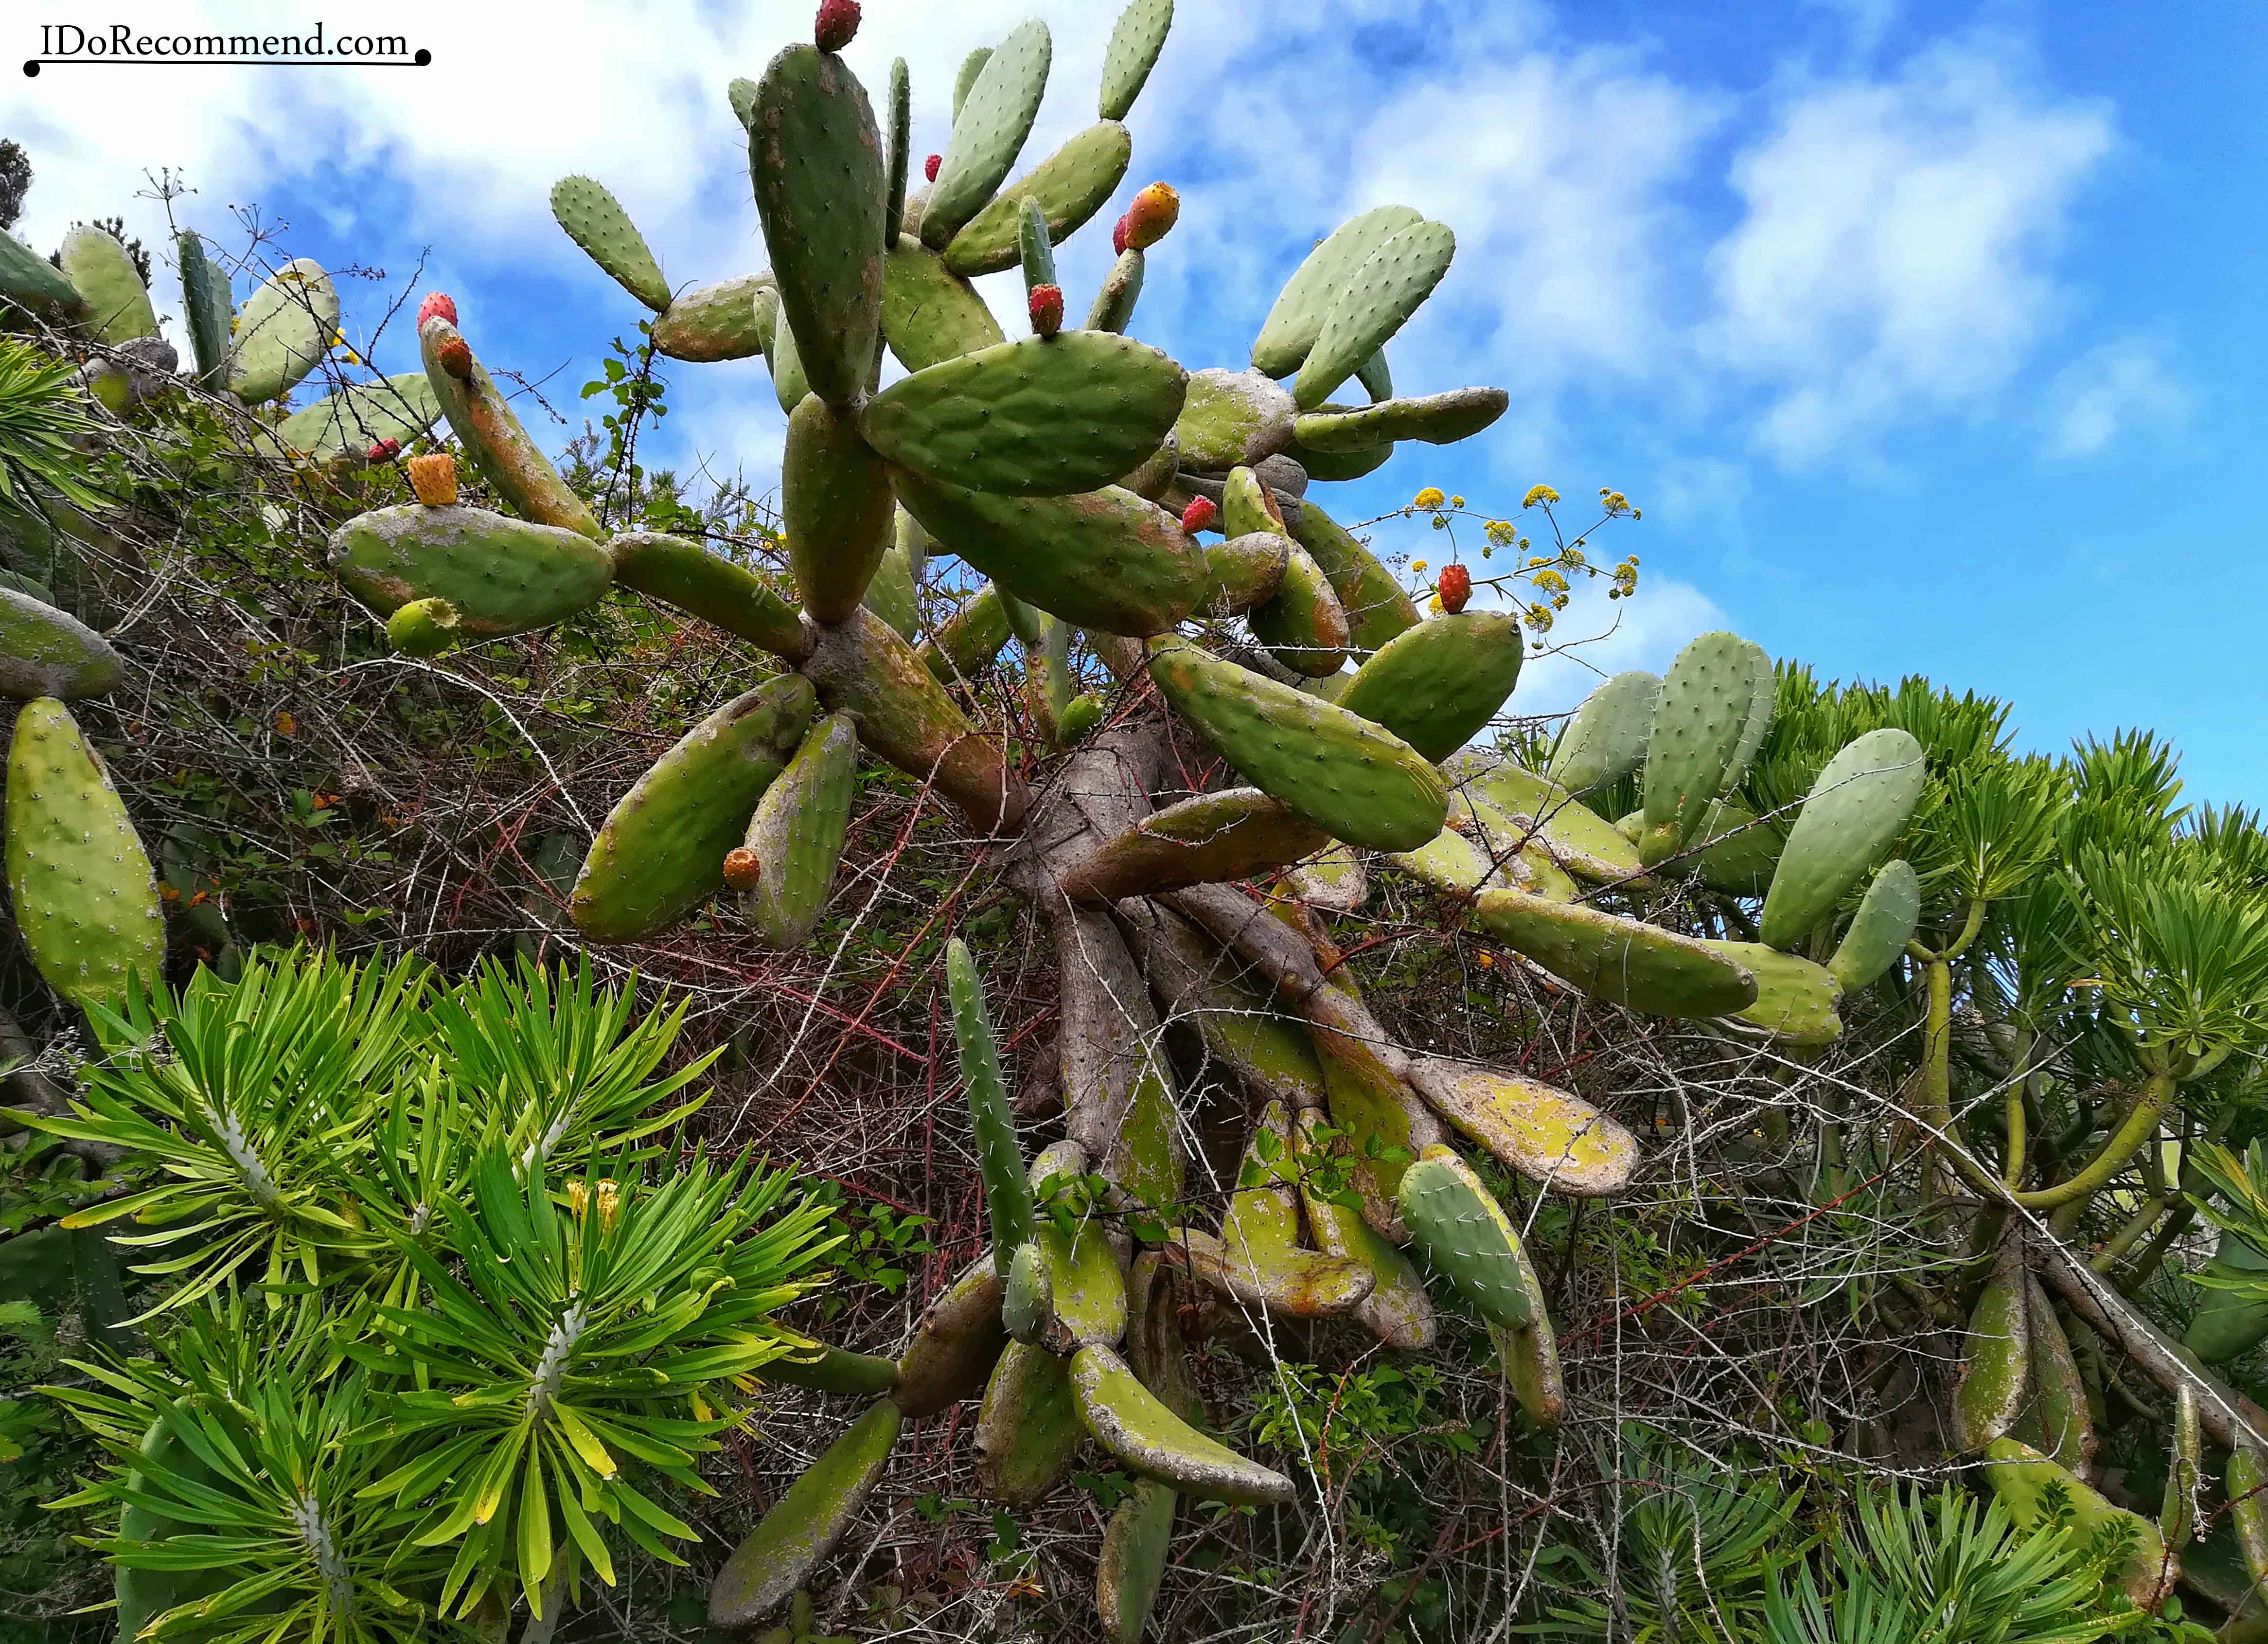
2112, 389
1893, 257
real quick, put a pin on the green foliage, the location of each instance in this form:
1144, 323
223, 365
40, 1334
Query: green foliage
43, 412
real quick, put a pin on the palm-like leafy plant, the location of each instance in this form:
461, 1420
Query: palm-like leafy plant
42, 412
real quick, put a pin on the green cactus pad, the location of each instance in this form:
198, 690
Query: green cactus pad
1465, 1233
1135, 43
1294, 1285
864, 669
1438, 684
798, 832
30, 281
1359, 783
504, 576
1372, 305
1070, 186
1545, 1133
931, 314
661, 852
1121, 289
1029, 1427
595, 220
971, 66
357, 417
2229, 1323
1398, 1310
1620, 961
804, 1525
1080, 717
1105, 559
1449, 862
833, 1371
1232, 835
1038, 251
1368, 1100
1040, 416
1996, 1356
955, 1345
1762, 702
1731, 851
86, 899
1231, 419
1245, 505
1439, 419
1027, 1296
1303, 625
1135, 1547
1376, 608
1377, 378
1269, 1053
988, 129
424, 628
965, 645
815, 160
2020, 1476
741, 95
1795, 999
1862, 802
684, 574
1297, 320
1131, 1422
1880, 929
1703, 707
283, 331
1531, 1358
1607, 739
2247, 1507
46, 653
1000, 1161
1578, 838
892, 595
1085, 1289
500, 448
790, 386
1334, 881
206, 308
723, 321
117, 303
899, 151
2055, 1420
836, 507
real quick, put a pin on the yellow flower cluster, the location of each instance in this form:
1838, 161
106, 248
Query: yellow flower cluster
1432, 496
1617, 505
1536, 494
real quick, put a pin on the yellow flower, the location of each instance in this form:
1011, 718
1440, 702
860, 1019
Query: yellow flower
1456, 502
1417, 566
1485, 958
1430, 498
1543, 494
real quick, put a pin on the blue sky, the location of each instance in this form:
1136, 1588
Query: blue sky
1930, 338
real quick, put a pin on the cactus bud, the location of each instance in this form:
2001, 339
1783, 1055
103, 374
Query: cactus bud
1047, 310
434, 478
837, 25
1118, 237
1199, 515
1454, 587
741, 868
1153, 213
456, 358
437, 303
929, 167
384, 451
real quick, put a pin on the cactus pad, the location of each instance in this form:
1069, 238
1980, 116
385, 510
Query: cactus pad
798, 832
1297, 318
931, 314
1131, 1422
1464, 1232
1579, 840
1135, 43
1232, 418
28, 279
206, 308
515, 469
723, 320
1607, 737
1438, 684
1000, 1161
283, 331
804, 1525
1398, 1310
1880, 929
1243, 573
595, 220
1070, 186
2020, 1476
1795, 999
1372, 305
1376, 608
1703, 707
661, 852
1439, 419
117, 303
1862, 802
989, 129
965, 644
1040, 416
1231, 834
683, 573
47, 652
1303, 625
1120, 291
1620, 961
1105, 559
357, 417
836, 507
955, 1345
1545, 1133
504, 576
833, 1371
1996, 1356
1029, 1429
815, 160
86, 899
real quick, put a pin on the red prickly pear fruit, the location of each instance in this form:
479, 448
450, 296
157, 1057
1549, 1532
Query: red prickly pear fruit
1047, 310
1199, 515
437, 303
837, 25
742, 871
434, 477
384, 450
929, 167
1454, 587
456, 358
1118, 237
1154, 212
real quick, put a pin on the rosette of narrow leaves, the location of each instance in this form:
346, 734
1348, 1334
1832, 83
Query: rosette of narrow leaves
42, 412
251, 1099
2183, 961
235, 1464
572, 1353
